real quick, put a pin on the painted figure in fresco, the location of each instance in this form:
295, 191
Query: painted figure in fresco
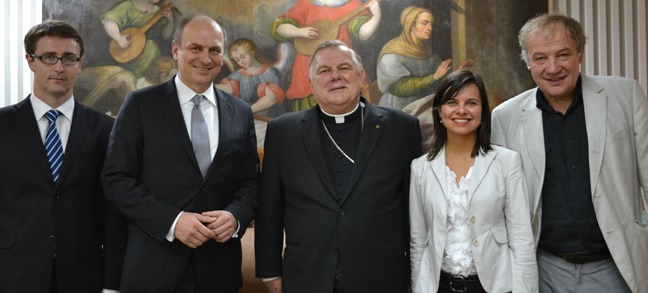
308, 23
408, 69
127, 24
103, 87
256, 82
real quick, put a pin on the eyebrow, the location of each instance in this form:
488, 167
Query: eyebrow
54, 53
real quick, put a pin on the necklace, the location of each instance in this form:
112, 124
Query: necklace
333, 140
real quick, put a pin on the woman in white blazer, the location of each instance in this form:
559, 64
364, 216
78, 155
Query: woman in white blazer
469, 208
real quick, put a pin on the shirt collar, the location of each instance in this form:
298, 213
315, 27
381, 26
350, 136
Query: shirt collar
185, 94
40, 107
342, 118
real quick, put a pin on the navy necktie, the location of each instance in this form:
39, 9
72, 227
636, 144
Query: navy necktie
200, 136
53, 145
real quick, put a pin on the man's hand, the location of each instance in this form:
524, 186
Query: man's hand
274, 286
191, 229
223, 225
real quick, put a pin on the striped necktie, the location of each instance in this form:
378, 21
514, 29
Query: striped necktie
53, 145
200, 136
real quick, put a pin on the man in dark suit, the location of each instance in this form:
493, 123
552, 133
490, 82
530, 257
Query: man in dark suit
57, 231
336, 178
182, 166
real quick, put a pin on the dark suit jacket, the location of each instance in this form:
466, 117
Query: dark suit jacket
368, 227
151, 174
40, 219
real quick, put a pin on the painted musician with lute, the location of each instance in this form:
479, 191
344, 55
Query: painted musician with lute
309, 22
131, 24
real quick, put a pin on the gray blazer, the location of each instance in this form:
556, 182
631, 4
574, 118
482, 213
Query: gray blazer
616, 115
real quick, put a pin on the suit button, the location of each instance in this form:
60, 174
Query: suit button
335, 250
57, 197
341, 212
475, 242
473, 219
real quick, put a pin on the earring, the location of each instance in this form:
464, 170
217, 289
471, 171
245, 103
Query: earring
441, 121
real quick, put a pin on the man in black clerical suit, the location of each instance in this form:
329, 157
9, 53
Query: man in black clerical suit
182, 166
57, 231
336, 178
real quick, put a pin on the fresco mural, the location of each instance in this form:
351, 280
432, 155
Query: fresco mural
406, 45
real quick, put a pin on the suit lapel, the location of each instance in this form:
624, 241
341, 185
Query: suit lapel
440, 173
373, 130
595, 122
25, 120
78, 132
480, 168
225, 122
532, 131
170, 107
310, 134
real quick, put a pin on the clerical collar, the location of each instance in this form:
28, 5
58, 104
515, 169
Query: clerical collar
342, 118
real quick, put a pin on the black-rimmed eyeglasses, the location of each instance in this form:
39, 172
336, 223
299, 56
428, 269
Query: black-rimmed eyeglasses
51, 59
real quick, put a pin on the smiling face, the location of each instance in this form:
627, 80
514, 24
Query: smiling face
462, 114
54, 82
336, 79
422, 28
200, 54
554, 62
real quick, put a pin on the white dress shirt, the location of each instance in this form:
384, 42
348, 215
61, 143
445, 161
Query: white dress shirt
457, 257
63, 123
209, 109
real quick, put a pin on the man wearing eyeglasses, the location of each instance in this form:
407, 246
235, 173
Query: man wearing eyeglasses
57, 231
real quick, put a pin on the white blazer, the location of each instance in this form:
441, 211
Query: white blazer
503, 247
616, 118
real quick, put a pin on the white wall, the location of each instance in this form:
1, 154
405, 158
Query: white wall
16, 18
616, 33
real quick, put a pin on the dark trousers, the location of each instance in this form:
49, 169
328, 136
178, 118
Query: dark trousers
189, 282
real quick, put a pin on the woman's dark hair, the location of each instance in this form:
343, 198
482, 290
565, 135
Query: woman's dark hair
450, 87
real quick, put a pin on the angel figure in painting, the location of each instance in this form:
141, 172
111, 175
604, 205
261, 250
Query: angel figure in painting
255, 81
127, 22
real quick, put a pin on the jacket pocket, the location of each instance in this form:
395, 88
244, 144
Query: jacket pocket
500, 235
7, 240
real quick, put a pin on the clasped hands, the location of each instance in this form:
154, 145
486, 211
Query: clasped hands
194, 229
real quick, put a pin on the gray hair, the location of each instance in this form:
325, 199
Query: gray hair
546, 23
